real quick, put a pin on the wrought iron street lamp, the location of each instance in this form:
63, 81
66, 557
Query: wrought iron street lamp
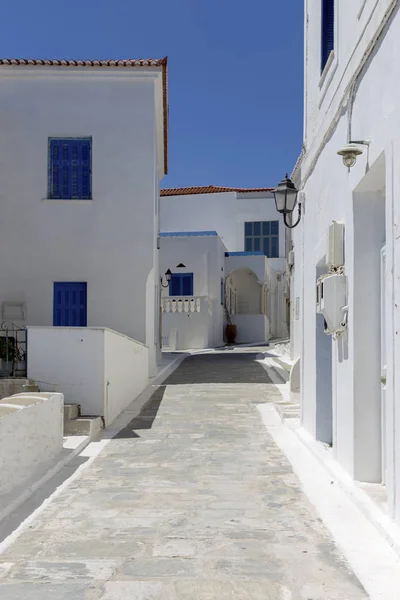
168, 276
286, 199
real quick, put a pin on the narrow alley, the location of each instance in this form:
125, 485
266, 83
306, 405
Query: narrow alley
192, 500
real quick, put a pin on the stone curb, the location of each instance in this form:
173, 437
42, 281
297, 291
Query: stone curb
382, 522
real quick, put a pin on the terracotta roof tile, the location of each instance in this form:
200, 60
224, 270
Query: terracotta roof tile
209, 189
140, 62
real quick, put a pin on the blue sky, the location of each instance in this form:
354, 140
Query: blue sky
235, 73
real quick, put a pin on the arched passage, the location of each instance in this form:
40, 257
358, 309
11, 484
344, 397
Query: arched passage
247, 303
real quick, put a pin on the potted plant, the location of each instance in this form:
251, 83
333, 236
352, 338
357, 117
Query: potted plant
230, 329
231, 333
7, 352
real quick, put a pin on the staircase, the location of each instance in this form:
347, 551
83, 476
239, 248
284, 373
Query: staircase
76, 424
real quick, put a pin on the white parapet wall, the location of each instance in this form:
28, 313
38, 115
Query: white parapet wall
251, 328
99, 369
31, 436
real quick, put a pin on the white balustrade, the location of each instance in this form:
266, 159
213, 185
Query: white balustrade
176, 304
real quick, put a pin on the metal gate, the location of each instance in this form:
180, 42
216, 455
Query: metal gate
13, 350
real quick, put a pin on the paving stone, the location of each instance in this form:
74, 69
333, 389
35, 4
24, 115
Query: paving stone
136, 590
162, 567
228, 590
192, 500
37, 591
5, 569
50, 571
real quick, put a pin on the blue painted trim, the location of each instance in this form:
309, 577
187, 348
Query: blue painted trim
187, 233
255, 253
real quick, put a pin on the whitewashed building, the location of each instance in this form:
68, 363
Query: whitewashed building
83, 147
348, 272
192, 303
255, 240
208, 286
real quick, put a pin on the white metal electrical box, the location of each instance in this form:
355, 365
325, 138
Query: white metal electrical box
335, 245
290, 258
331, 301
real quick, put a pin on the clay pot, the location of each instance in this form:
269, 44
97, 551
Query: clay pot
231, 333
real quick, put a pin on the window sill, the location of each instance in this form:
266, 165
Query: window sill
326, 68
327, 76
66, 200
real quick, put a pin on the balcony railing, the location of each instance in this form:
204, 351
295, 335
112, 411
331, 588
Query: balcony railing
176, 304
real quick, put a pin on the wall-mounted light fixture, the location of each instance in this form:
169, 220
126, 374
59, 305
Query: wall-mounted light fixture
350, 151
286, 199
168, 277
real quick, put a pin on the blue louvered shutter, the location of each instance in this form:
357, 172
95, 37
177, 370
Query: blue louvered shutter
85, 176
70, 304
175, 285
181, 284
187, 284
54, 169
70, 169
327, 30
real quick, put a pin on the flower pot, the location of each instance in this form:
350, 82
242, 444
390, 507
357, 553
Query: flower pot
231, 332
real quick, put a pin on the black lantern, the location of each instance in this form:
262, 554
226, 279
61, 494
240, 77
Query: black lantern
286, 199
168, 277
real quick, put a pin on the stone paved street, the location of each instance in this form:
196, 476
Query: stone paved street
191, 501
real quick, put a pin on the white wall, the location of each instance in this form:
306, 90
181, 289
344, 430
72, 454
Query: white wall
99, 369
251, 328
248, 292
224, 213
193, 329
365, 199
108, 242
125, 372
31, 436
204, 257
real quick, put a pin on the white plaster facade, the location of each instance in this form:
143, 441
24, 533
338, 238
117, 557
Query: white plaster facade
31, 436
343, 401
101, 370
240, 284
108, 241
226, 210
200, 325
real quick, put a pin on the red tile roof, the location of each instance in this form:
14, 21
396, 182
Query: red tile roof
140, 62
209, 189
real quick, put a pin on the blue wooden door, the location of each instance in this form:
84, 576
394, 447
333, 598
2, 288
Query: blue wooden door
70, 304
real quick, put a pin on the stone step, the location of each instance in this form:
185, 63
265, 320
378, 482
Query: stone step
90, 426
71, 411
282, 363
287, 411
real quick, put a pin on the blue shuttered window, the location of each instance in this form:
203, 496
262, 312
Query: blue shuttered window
327, 30
262, 236
70, 304
70, 168
181, 284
